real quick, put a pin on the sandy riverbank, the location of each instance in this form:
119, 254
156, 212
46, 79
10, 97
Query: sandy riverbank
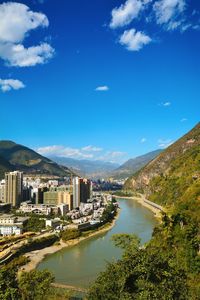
37, 256
141, 199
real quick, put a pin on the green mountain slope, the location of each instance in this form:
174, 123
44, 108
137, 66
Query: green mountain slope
5, 166
133, 165
168, 176
168, 267
18, 157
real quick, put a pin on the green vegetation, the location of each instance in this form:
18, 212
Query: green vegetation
5, 166
168, 267
108, 213
181, 182
61, 294
35, 224
161, 165
35, 285
70, 234
36, 244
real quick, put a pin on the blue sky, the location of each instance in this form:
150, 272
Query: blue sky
99, 79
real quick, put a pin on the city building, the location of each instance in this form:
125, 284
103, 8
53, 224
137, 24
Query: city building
39, 195
85, 189
51, 198
26, 194
81, 191
10, 225
58, 197
53, 223
76, 192
14, 188
39, 209
63, 209
65, 198
2, 191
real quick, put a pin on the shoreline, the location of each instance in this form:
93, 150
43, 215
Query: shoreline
141, 200
37, 256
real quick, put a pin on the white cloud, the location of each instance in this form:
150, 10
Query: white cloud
91, 148
169, 13
87, 152
184, 120
164, 143
49, 150
7, 85
102, 88
143, 140
16, 22
134, 40
18, 56
127, 12
61, 151
165, 104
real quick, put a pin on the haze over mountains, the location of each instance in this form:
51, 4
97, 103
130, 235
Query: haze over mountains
102, 169
88, 168
19, 157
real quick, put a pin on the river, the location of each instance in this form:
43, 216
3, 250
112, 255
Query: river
79, 265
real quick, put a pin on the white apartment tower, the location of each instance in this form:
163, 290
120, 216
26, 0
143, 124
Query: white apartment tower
76, 192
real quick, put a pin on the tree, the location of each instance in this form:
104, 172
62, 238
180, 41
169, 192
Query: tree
8, 284
35, 285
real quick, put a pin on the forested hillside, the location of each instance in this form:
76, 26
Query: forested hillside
168, 267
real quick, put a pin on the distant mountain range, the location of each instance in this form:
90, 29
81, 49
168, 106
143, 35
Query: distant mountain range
133, 165
100, 169
87, 168
19, 157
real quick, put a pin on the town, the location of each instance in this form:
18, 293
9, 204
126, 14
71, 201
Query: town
72, 201
36, 212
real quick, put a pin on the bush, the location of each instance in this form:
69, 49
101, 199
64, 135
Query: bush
70, 234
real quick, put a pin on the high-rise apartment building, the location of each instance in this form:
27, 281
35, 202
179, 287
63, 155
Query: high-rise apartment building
76, 192
85, 190
13, 188
81, 191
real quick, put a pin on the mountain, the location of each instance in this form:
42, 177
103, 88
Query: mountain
19, 157
168, 267
133, 165
174, 175
5, 166
87, 168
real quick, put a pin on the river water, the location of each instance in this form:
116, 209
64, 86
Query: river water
79, 265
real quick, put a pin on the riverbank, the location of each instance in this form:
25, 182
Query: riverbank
35, 257
146, 203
